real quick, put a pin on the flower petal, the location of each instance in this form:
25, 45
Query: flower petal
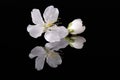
52, 36
50, 14
63, 32
56, 33
36, 17
53, 59
57, 45
39, 62
37, 51
78, 42
35, 31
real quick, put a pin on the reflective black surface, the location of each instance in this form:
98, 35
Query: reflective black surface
101, 34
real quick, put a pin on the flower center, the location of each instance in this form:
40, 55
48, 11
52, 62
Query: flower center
48, 24
50, 53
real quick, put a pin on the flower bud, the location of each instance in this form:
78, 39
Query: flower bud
76, 27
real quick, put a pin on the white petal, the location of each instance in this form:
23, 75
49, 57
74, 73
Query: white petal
37, 51
57, 45
36, 17
76, 27
52, 36
54, 59
39, 62
56, 33
51, 14
63, 32
35, 31
78, 42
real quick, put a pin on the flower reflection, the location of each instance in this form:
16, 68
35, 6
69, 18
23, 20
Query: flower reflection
50, 51
74, 41
41, 53
57, 45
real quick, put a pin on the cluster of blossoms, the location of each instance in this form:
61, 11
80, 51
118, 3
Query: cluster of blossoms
57, 36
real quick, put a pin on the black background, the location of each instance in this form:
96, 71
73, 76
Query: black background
101, 21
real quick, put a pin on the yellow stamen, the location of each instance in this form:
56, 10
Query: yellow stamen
48, 25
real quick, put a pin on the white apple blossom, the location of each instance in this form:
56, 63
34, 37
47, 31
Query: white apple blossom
76, 27
52, 58
52, 32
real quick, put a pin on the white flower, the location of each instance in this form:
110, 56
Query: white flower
52, 58
76, 27
77, 42
53, 32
